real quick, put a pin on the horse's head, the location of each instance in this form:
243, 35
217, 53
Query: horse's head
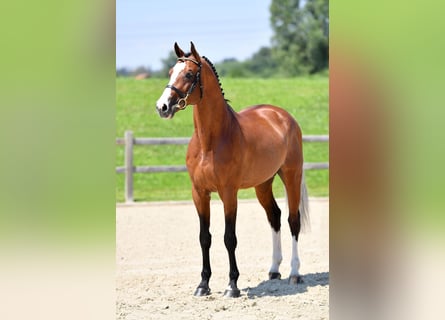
181, 90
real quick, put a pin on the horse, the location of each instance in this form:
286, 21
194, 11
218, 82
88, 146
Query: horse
229, 151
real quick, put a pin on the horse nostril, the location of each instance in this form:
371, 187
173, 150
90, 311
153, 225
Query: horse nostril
164, 108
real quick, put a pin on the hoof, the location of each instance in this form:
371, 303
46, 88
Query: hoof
232, 290
232, 293
274, 275
295, 279
201, 292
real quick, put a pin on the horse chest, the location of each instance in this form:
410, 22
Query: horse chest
202, 171
205, 176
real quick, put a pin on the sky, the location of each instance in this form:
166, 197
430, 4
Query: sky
147, 30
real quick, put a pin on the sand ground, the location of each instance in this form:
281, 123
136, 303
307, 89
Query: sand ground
158, 264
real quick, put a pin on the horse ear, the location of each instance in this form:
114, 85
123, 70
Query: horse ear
194, 52
179, 52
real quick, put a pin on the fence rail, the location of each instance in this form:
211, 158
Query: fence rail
128, 169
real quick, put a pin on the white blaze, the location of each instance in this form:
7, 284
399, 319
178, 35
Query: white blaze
165, 97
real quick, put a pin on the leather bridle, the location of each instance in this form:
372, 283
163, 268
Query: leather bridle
182, 102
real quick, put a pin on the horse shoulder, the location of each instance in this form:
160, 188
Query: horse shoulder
200, 166
192, 155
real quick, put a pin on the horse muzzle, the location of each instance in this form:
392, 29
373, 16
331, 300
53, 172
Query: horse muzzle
167, 111
167, 105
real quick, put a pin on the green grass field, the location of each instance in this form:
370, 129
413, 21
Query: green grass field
307, 99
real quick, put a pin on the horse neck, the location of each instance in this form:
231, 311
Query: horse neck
213, 117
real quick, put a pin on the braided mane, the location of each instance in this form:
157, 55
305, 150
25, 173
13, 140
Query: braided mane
214, 71
216, 74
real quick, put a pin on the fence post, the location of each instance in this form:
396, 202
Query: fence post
129, 166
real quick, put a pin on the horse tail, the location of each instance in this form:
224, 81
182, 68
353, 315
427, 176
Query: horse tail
305, 221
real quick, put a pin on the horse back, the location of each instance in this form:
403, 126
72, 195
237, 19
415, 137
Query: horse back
267, 124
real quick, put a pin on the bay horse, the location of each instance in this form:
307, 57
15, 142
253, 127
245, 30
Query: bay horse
229, 151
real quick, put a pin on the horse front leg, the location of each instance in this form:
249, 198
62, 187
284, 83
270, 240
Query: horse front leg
202, 204
230, 209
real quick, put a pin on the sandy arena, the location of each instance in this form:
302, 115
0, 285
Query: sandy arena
158, 264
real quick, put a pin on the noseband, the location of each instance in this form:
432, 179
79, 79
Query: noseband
182, 102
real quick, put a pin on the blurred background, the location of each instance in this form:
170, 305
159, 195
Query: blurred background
58, 131
273, 52
266, 38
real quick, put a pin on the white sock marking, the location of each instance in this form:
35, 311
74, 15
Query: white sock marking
295, 260
277, 256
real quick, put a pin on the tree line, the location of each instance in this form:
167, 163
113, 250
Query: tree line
299, 45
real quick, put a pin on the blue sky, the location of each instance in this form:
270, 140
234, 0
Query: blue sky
146, 30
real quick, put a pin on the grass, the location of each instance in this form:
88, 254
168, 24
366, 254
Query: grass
305, 98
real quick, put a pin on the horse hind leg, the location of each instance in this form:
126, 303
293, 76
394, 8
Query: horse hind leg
292, 181
265, 196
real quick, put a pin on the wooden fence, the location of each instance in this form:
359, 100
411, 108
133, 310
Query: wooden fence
129, 169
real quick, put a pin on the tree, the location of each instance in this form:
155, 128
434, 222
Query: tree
300, 43
122, 72
318, 47
262, 63
231, 67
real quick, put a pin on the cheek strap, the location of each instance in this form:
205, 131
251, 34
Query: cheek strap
182, 102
